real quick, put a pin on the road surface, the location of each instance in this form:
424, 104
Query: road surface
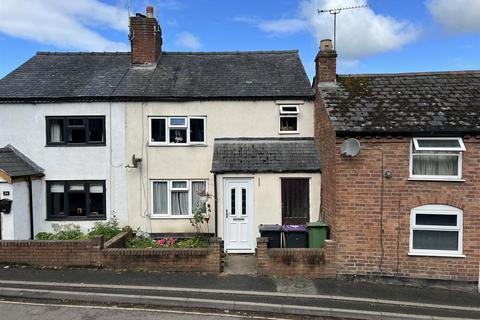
41, 311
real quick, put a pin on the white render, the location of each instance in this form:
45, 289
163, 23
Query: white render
24, 127
224, 119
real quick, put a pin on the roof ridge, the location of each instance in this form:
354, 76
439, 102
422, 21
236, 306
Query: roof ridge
409, 74
80, 53
92, 53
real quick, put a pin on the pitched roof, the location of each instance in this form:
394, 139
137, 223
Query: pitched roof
414, 103
252, 155
188, 76
16, 164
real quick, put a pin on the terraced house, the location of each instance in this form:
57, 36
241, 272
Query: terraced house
155, 136
400, 184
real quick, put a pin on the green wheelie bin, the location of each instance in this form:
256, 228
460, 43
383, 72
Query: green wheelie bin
317, 234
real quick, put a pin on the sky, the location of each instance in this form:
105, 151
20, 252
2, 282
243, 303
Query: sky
387, 36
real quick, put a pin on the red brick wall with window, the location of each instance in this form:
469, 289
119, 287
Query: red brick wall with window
358, 215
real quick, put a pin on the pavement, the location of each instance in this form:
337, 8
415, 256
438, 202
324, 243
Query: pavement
239, 293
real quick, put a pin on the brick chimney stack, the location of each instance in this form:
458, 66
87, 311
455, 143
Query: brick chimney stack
145, 38
326, 63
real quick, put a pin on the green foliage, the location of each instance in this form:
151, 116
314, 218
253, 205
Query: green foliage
63, 232
107, 229
142, 242
197, 242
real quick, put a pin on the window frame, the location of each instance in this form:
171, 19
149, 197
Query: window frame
436, 209
170, 188
168, 127
66, 205
288, 114
66, 127
458, 152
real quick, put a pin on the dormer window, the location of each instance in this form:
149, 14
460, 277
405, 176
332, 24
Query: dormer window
288, 119
436, 158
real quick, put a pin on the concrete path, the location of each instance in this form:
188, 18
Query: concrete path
241, 293
240, 264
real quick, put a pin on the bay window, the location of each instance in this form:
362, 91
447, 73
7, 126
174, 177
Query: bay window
177, 198
177, 130
436, 158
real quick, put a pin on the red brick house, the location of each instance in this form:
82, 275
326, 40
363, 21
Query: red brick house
408, 204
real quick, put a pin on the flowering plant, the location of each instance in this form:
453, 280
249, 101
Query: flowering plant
167, 242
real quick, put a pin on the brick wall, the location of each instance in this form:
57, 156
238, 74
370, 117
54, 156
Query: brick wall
359, 213
146, 40
82, 253
305, 262
207, 260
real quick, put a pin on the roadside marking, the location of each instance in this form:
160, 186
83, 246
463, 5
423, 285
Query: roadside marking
211, 314
239, 292
214, 304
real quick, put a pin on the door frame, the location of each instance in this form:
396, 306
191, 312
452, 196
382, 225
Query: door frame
251, 218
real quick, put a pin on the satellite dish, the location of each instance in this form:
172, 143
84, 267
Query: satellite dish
135, 161
350, 147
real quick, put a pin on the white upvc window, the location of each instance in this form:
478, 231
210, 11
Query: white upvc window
436, 230
177, 131
177, 198
288, 119
436, 158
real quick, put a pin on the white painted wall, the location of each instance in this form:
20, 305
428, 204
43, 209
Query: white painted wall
24, 126
224, 119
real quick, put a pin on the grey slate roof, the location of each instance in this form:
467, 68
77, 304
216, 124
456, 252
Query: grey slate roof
16, 164
177, 76
256, 155
416, 103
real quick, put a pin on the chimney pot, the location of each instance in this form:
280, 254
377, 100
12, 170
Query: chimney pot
149, 12
326, 45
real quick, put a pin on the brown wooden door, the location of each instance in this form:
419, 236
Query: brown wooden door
295, 201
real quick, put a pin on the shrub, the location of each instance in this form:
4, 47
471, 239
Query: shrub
197, 242
107, 229
63, 232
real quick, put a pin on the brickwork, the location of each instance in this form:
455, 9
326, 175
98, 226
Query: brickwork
82, 253
301, 262
208, 260
146, 40
367, 249
119, 241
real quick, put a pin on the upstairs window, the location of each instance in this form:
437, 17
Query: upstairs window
177, 130
436, 158
75, 131
289, 119
436, 230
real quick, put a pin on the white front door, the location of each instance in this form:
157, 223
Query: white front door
238, 213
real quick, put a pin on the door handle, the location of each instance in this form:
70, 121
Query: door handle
226, 213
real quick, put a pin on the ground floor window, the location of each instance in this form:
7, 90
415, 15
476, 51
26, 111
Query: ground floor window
76, 200
295, 200
178, 198
436, 230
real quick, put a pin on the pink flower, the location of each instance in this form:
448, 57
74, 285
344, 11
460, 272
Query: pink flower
161, 242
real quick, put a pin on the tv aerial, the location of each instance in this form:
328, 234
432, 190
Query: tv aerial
334, 12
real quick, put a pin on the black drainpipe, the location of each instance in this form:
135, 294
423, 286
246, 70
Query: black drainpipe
30, 200
216, 202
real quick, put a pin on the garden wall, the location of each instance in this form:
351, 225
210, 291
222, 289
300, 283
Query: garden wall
52, 253
292, 262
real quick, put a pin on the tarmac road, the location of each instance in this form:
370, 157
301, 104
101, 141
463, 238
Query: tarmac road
13, 310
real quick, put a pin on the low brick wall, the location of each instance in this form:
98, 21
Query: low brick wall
208, 260
302, 262
80, 253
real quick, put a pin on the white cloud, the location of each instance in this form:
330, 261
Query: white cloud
64, 24
456, 16
360, 32
187, 40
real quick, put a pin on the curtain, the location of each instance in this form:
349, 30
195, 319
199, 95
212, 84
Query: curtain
160, 202
56, 131
180, 203
434, 165
198, 186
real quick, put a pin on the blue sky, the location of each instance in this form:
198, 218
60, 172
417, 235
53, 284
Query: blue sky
388, 36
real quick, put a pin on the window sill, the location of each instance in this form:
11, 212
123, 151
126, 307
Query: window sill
436, 179
170, 217
178, 145
77, 219
434, 254
78, 145
288, 132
